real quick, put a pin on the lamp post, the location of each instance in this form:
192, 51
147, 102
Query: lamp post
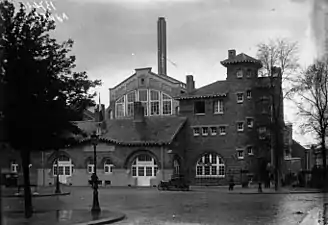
95, 204
57, 190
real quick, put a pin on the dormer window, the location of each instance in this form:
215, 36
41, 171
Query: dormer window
239, 73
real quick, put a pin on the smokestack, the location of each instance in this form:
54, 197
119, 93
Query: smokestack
161, 42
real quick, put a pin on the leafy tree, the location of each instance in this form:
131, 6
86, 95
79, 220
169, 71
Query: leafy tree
310, 92
279, 59
43, 93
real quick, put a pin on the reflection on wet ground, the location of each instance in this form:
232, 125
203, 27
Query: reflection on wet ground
149, 206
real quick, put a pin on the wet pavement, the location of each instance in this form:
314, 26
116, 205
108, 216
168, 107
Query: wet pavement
203, 206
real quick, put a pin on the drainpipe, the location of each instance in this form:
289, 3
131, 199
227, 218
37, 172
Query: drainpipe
162, 159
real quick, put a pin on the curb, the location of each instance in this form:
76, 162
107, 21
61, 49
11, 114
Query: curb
104, 221
36, 195
275, 193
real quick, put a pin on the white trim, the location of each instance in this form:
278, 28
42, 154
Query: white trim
240, 150
238, 95
204, 133
238, 123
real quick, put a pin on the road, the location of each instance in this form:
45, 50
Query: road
202, 206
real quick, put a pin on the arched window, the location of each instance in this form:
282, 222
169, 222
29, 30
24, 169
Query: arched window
108, 166
176, 167
65, 166
90, 166
210, 165
131, 98
167, 104
154, 102
119, 107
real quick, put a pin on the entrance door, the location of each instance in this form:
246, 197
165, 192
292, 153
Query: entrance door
64, 169
144, 168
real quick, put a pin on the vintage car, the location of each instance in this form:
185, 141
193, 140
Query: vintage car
176, 183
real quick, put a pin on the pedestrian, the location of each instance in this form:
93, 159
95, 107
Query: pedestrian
231, 184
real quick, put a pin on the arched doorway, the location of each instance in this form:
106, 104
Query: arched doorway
65, 168
144, 168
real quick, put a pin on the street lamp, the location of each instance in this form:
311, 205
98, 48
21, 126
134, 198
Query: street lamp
57, 190
94, 178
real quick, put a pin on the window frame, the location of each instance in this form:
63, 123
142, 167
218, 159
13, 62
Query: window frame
154, 101
240, 150
249, 94
145, 103
238, 94
252, 122
170, 100
202, 166
238, 123
128, 103
218, 106
92, 166
225, 130
252, 150
121, 104
196, 133
216, 130
204, 133
109, 166
199, 113
239, 73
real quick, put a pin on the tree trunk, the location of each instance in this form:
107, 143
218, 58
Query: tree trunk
324, 161
25, 155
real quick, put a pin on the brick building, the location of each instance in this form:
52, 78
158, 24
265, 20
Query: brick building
228, 122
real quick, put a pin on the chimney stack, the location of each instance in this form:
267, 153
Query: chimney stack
139, 114
231, 53
190, 83
161, 42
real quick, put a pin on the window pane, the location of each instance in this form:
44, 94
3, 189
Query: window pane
67, 170
166, 97
134, 171
61, 170
167, 107
221, 106
207, 170
199, 107
154, 95
154, 108
199, 170
155, 170
106, 169
207, 158
149, 171
55, 170
130, 109
143, 95
132, 96
141, 171
214, 161
221, 170
214, 170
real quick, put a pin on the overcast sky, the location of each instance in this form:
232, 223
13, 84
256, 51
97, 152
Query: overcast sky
113, 37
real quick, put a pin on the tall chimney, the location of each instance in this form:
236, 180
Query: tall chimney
231, 53
190, 83
161, 42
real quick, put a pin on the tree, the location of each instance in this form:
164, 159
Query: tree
43, 93
311, 98
279, 59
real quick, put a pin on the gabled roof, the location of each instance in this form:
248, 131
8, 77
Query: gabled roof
241, 58
216, 89
157, 130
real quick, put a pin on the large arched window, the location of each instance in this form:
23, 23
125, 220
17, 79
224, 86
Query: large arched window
210, 165
120, 107
108, 166
143, 98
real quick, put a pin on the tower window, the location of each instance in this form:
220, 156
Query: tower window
239, 73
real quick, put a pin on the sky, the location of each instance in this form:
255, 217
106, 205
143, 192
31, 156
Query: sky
113, 37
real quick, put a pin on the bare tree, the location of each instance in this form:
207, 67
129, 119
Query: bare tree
279, 58
310, 92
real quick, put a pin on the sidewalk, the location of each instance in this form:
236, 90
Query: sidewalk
254, 190
39, 192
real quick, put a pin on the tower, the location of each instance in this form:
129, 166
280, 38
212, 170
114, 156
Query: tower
161, 42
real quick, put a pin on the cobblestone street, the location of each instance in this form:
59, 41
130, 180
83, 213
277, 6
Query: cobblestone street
201, 206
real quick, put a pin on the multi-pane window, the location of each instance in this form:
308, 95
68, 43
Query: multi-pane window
240, 126
240, 153
218, 106
134, 171
210, 165
141, 171
240, 97
91, 166
250, 122
131, 98
149, 171
239, 73
205, 131
167, 104
213, 130
196, 131
250, 150
249, 94
222, 130
143, 98
119, 107
108, 166
154, 102
14, 167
